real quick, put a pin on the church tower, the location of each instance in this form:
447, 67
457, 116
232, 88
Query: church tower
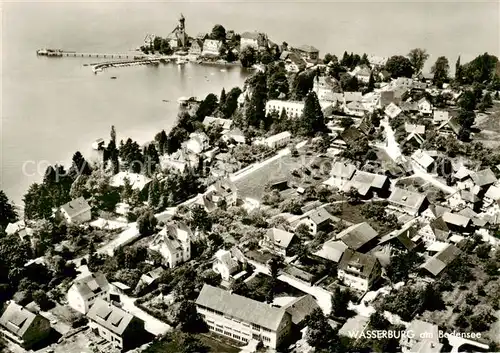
181, 31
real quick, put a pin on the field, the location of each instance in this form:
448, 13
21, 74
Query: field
489, 126
212, 342
252, 185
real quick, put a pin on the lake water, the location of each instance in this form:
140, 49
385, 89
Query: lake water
52, 107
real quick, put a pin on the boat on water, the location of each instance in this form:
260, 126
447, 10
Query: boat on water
113, 77
182, 61
165, 100
98, 144
49, 52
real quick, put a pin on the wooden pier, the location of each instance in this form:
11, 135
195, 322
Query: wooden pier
102, 55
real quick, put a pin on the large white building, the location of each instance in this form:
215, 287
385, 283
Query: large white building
85, 291
279, 140
76, 211
173, 243
241, 318
293, 109
359, 271
211, 47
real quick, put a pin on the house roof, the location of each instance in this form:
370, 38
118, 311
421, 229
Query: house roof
440, 228
412, 128
436, 264
320, 216
357, 235
456, 219
75, 207
440, 115
438, 210
422, 158
365, 264
137, 181
332, 250
280, 237
364, 181
152, 275
343, 170
462, 173
406, 198
91, 284
278, 137
301, 307
402, 235
225, 123
453, 124
352, 96
493, 193
251, 35
225, 257
351, 135
109, 316
483, 177
15, 227
469, 196
307, 48
17, 319
392, 110
241, 307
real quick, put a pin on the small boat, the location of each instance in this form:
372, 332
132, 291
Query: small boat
165, 100
113, 77
223, 70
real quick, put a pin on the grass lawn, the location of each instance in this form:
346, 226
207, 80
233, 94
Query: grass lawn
490, 127
173, 344
253, 184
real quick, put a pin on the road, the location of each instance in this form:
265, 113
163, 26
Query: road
431, 179
392, 146
151, 324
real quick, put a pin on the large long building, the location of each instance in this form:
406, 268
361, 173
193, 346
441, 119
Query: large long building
241, 318
293, 109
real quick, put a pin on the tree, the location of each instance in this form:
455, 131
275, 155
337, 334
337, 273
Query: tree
371, 83
231, 103
349, 83
378, 321
8, 213
340, 302
161, 140
313, 120
207, 107
458, 71
418, 57
346, 122
187, 318
353, 196
440, 70
401, 265
218, 33
146, 223
399, 66
200, 219
40, 297
292, 206
248, 56
320, 334
330, 58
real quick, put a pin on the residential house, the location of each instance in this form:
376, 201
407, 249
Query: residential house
293, 109
451, 126
324, 86
348, 137
243, 319
308, 53
377, 62
392, 110
456, 221
423, 160
196, 47
300, 308
436, 264
409, 107
332, 250
224, 191
86, 290
197, 143
352, 97
235, 135
416, 134
440, 116
424, 106
317, 220
368, 184
436, 230
256, 40
407, 201
225, 264
224, 123
355, 108
424, 338
360, 237
386, 98
173, 243
136, 181
362, 73
415, 129
483, 178
359, 271
76, 211
22, 326
115, 325
400, 240
491, 197
20, 229
277, 240
211, 47
279, 140
341, 173
179, 160
149, 279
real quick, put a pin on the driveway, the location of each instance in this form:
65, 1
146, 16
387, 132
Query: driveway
152, 324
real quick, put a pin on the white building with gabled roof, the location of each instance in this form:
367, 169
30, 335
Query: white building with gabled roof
85, 291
